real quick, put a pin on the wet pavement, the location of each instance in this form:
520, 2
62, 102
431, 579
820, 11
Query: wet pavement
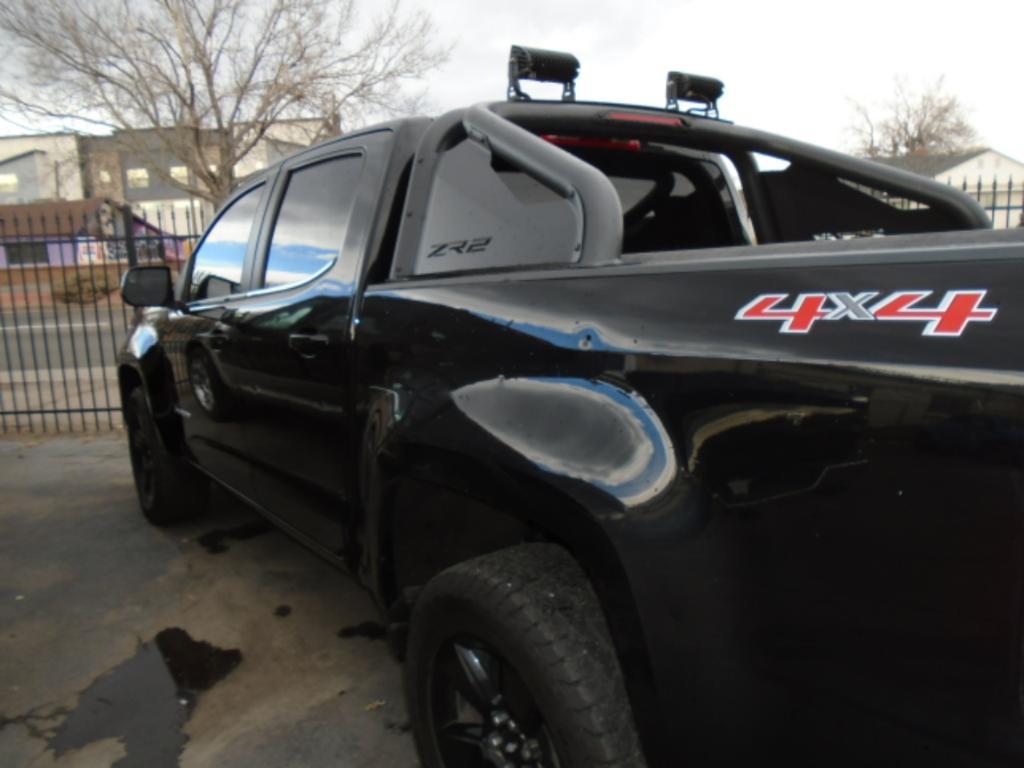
215, 643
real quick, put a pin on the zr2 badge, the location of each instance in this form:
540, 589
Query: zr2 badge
949, 317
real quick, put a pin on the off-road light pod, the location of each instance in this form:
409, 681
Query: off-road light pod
695, 88
542, 66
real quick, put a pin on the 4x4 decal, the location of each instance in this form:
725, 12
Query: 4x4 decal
949, 317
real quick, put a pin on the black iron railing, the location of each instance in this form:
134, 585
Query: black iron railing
61, 316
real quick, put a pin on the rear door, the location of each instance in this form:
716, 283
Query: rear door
291, 336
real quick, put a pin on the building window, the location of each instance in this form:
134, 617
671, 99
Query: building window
26, 254
179, 173
8, 183
138, 178
105, 176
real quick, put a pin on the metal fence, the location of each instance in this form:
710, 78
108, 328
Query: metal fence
1003, 200
61, 316
62, 320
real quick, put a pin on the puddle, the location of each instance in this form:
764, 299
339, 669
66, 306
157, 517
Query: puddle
371, 630
144, 701
215, 541
195, 665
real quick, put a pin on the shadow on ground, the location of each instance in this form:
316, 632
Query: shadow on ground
217, 643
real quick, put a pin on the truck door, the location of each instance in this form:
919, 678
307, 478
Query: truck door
199, 338
292, 339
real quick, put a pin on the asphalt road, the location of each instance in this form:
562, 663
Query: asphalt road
61, 337
217, 643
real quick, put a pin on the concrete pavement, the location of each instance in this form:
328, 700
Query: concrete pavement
210, 644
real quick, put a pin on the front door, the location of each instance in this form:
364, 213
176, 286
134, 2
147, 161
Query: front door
199, 340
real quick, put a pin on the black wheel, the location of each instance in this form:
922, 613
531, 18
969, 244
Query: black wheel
509, 664
169, 489
208, 387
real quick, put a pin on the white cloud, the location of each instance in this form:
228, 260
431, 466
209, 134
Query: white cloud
789, 66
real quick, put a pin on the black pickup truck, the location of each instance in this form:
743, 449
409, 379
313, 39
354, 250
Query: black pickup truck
658, 440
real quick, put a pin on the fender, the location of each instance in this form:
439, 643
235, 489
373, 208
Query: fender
143, 362
429, 500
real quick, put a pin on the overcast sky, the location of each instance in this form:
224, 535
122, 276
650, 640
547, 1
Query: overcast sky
788, 66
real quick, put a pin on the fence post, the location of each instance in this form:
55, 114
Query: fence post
128, 220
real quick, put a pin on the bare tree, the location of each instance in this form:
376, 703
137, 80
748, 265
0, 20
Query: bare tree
931, 121
210, 78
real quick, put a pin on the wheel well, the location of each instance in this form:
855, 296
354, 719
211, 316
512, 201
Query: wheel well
439, 528
158, 383
128, 379
432, 528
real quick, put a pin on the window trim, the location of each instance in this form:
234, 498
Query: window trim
292, 286
276, 201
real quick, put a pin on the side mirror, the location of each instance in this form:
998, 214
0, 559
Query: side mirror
148, 286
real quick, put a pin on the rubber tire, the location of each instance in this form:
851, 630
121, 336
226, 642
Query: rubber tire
179, 492
533, 604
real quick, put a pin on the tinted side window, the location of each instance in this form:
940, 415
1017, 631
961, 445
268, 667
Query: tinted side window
217, 268
483, 213
312, 221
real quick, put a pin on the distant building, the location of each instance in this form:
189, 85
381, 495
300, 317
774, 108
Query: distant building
39, 167
994, 179
77, 232
66, 166
110, 169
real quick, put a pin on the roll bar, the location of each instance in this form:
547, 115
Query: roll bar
591, 194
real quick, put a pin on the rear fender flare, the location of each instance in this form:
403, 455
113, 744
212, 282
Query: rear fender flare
545, 507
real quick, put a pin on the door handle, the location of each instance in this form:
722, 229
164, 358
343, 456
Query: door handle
308, 344
218, 337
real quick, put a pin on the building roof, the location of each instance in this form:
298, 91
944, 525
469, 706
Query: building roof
21, 155
932, 165
58, 218
36, 135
